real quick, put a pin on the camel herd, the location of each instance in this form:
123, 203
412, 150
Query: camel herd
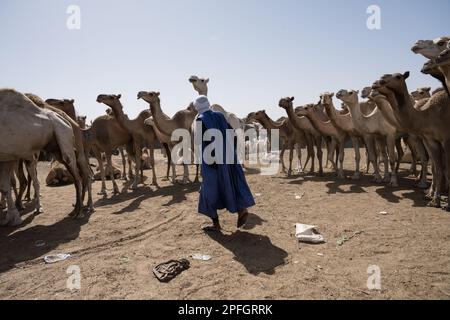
385, 115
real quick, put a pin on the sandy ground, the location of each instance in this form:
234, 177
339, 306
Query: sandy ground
117, 246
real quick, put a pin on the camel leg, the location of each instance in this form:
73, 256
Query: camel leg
101, 167
32, 170
299, 158
124, 166
423, 157
12, 215
152, 163
137, 168
412, 145
291, 158
333, 148
400, 154
392, 161
355, 142
310, 151
22, 185
371, 148
434, 150
341, 153
111, 169
382, 143
319, 154
283, 149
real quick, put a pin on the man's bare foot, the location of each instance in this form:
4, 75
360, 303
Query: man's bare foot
242, 218
214, 228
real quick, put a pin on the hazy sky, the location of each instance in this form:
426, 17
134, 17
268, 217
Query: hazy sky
254, 51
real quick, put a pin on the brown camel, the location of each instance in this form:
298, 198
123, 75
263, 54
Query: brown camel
65, 105
431, 122
58, 175
50, 132
142, 135
315, 114
288, 135
314, 137
164, 127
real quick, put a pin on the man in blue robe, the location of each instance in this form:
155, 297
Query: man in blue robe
223, 184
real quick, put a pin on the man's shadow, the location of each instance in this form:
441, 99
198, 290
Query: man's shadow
255, 252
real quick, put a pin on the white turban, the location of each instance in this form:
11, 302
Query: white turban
201, 104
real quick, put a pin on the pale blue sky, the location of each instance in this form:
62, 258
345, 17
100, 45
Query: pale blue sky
253, 51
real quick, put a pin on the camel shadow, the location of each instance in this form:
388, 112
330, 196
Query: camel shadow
177, 194
255, 252
20, 246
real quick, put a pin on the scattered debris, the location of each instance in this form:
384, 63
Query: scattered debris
166, 271
40, 243
299, 197
202, 257
384, 213
56, 258
124, 259
319, 267
345, 238
258, 194
308, 234
321, 255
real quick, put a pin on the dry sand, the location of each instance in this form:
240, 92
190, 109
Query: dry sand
118, 245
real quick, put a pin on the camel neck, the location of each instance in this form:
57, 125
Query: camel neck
388, 112
403, 108
446, 81
271, 124
158, 116
293, 117
355, 111
117, 108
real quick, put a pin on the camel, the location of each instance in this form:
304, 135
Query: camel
431, 122
443, 64
117, 173
50, 132
65, 105
318, 119
58, 175
314, 137
288, 135
421, 93
81, 120
345, 124
431, 49
414, 142
142, 135
82, 161
164, 127
201, 86
376, 127
366, 106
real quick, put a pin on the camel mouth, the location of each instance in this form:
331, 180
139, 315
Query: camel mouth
416, 48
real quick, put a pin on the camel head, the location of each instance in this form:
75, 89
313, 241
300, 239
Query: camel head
149, 97
444, 57
109, 99
81, 120
395, 82
200, 84
348, 96
430, 49
260, 115
63, 104
344, 108
305, 110
250, 118
365, 93
430, 67
377, 89
376, 95
286, 103
421, 93
326, 99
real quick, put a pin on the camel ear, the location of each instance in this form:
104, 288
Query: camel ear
406, 75
72, 100
357, 91
207, 80
292, 99
332, 95
157, 94
119, 96
428, 89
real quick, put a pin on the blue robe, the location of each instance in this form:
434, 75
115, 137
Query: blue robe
223, 185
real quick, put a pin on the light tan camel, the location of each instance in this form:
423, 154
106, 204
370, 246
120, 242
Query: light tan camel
49, 132
432, 122
164, 127
201, 86
288, 135
421, 93
344, 123
315, 114
314, 137
142, 135
82, 162
58, 175
376, 127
